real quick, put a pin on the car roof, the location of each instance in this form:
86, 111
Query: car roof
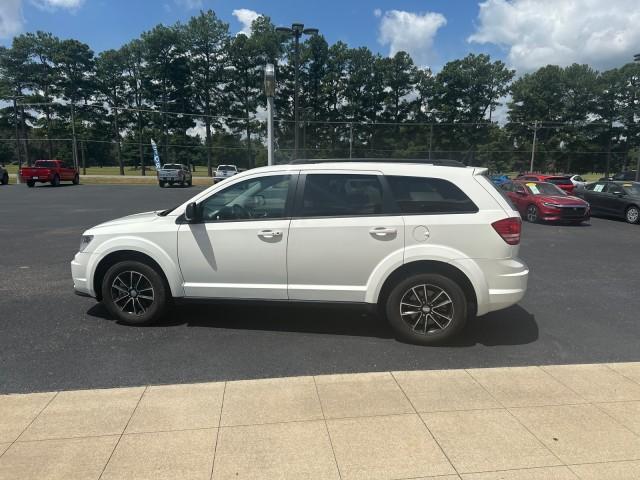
387, 168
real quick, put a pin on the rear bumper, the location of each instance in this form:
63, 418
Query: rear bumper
506, 281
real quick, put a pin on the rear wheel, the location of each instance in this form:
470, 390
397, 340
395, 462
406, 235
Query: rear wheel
426, 309
56, 181
190, 182
76, 179
161, 183
30, 183
5, 178
532, 214
134, 293
632, 215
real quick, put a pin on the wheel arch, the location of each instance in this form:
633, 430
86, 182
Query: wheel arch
431, 266
124, 255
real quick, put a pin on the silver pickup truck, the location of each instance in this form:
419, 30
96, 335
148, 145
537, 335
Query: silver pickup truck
174, 174
223, 172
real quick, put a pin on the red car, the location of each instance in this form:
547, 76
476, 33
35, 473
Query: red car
49, 171
562, 181
543, 201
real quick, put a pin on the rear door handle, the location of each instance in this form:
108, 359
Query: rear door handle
269, 234
383, 231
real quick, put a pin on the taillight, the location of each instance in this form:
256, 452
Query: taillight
509, 229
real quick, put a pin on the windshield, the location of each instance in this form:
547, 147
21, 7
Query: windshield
172, 166
226, 168
543, 188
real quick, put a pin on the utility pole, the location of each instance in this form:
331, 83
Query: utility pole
74, 145
18, 149
351, 140
296, 30
533, 147
430, 139
636, 58
270, 91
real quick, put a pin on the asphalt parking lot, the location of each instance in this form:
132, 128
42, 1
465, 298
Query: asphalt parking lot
582, 306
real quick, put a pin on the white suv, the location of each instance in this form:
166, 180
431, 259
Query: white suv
428, 244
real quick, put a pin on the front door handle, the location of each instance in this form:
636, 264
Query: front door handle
270, 234
383, 231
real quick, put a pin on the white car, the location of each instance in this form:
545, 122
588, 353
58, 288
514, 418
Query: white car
429, 245
223, 172
578, 181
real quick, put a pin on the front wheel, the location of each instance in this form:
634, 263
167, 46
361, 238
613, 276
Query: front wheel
532, 214
56, 181
161, 184
5, 178
76, 179
632, 215
134, 293
426, 309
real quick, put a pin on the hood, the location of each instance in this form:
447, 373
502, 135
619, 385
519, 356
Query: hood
561, 199
136, 218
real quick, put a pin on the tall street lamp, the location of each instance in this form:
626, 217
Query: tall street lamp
270, 91
296, 31
636, 58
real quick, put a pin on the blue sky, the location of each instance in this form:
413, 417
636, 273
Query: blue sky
524, 33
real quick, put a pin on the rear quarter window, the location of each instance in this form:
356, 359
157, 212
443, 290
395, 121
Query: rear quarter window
421, 195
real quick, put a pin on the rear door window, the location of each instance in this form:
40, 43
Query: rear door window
422, 195
341, 194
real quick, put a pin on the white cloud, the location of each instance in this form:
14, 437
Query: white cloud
377, 12
189, 4
246, 18
10, 18
55, 4
412, 33
601, 33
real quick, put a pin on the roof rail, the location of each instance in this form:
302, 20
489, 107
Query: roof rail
425, 161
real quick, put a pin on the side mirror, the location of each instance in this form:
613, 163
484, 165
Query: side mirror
192, 213
520, 192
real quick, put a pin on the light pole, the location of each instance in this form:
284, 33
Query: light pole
18, 149
636, 58
533, 146
296, 31
270, 92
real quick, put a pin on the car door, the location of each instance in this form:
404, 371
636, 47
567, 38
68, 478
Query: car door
339, 234
239, 249
594, 194
615, 200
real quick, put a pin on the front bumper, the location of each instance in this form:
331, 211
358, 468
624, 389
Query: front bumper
79, 272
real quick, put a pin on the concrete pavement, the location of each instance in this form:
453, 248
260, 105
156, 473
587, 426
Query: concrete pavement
550, 422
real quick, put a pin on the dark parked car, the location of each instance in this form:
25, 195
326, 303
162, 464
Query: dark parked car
617, 199
628, 176
4, 175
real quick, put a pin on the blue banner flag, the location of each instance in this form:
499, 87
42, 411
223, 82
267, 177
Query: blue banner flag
156, 157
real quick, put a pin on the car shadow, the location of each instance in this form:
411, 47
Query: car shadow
512, 326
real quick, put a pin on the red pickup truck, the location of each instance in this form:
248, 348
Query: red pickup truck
49, 171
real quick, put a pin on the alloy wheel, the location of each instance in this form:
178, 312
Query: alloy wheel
132, 292
532, 213
427, 309
632, 215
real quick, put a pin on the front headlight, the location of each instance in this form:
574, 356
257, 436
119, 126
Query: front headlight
85, 240
552, 205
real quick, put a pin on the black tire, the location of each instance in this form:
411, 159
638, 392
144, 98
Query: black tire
182, 184
190, 182
532, 214
134, 309
76, 179
5, 178
161, 184
426, 330
31, 183
632, 214
56, 181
